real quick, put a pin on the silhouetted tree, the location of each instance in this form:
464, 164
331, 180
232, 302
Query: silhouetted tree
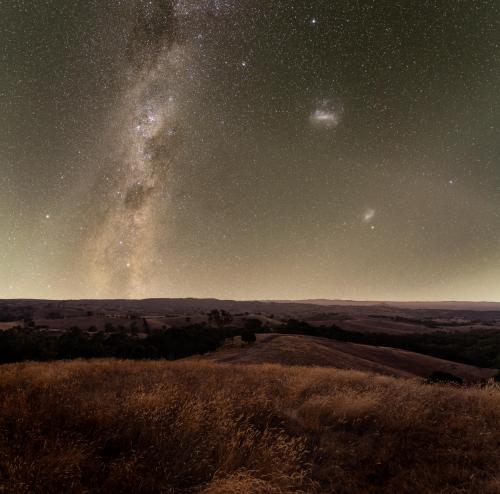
248, 337
220, 318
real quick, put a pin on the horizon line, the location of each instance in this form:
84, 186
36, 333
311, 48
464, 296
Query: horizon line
263, 300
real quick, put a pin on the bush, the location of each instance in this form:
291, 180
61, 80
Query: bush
248, 337
444, 377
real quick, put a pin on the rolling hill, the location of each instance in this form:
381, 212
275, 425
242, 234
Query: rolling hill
312, 351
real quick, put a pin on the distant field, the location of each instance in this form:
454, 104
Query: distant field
374, 325
84, 322
365, 317
383, 326
108, 426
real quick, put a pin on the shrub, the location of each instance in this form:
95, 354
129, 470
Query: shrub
444, 377
248, 337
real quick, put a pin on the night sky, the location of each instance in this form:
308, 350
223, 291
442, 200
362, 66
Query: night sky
250, 149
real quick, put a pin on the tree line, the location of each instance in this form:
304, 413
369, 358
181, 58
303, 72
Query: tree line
478, 347
32, 343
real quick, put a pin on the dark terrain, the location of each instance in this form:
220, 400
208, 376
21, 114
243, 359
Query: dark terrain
262, 398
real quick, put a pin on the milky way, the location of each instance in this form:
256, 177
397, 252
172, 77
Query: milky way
250, 149
122, 252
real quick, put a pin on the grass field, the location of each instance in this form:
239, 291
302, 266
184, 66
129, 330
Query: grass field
312, 351
180, 427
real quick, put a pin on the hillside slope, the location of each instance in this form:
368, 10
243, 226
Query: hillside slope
199, 427
313, 351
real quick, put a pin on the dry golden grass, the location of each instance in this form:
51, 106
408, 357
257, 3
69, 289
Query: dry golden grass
115, 426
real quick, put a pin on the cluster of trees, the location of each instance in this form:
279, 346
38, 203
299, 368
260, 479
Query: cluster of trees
31, 344
136, 341
481, 348
219, 318
477, 347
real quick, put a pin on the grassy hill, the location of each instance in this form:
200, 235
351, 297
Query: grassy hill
111, 426
313, 351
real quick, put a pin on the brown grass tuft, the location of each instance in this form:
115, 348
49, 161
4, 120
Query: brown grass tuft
115, 426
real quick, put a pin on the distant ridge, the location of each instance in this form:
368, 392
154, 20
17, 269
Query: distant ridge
442, 305
293, 306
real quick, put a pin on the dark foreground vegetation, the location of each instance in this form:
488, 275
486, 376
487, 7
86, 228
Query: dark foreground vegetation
21, 344
109, 426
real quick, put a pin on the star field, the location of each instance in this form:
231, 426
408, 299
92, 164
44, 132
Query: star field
250, 149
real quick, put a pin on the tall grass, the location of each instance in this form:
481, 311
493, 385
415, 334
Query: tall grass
110, 426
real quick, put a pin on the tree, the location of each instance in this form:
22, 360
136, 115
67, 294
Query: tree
248, 337
227, 318
220, 318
